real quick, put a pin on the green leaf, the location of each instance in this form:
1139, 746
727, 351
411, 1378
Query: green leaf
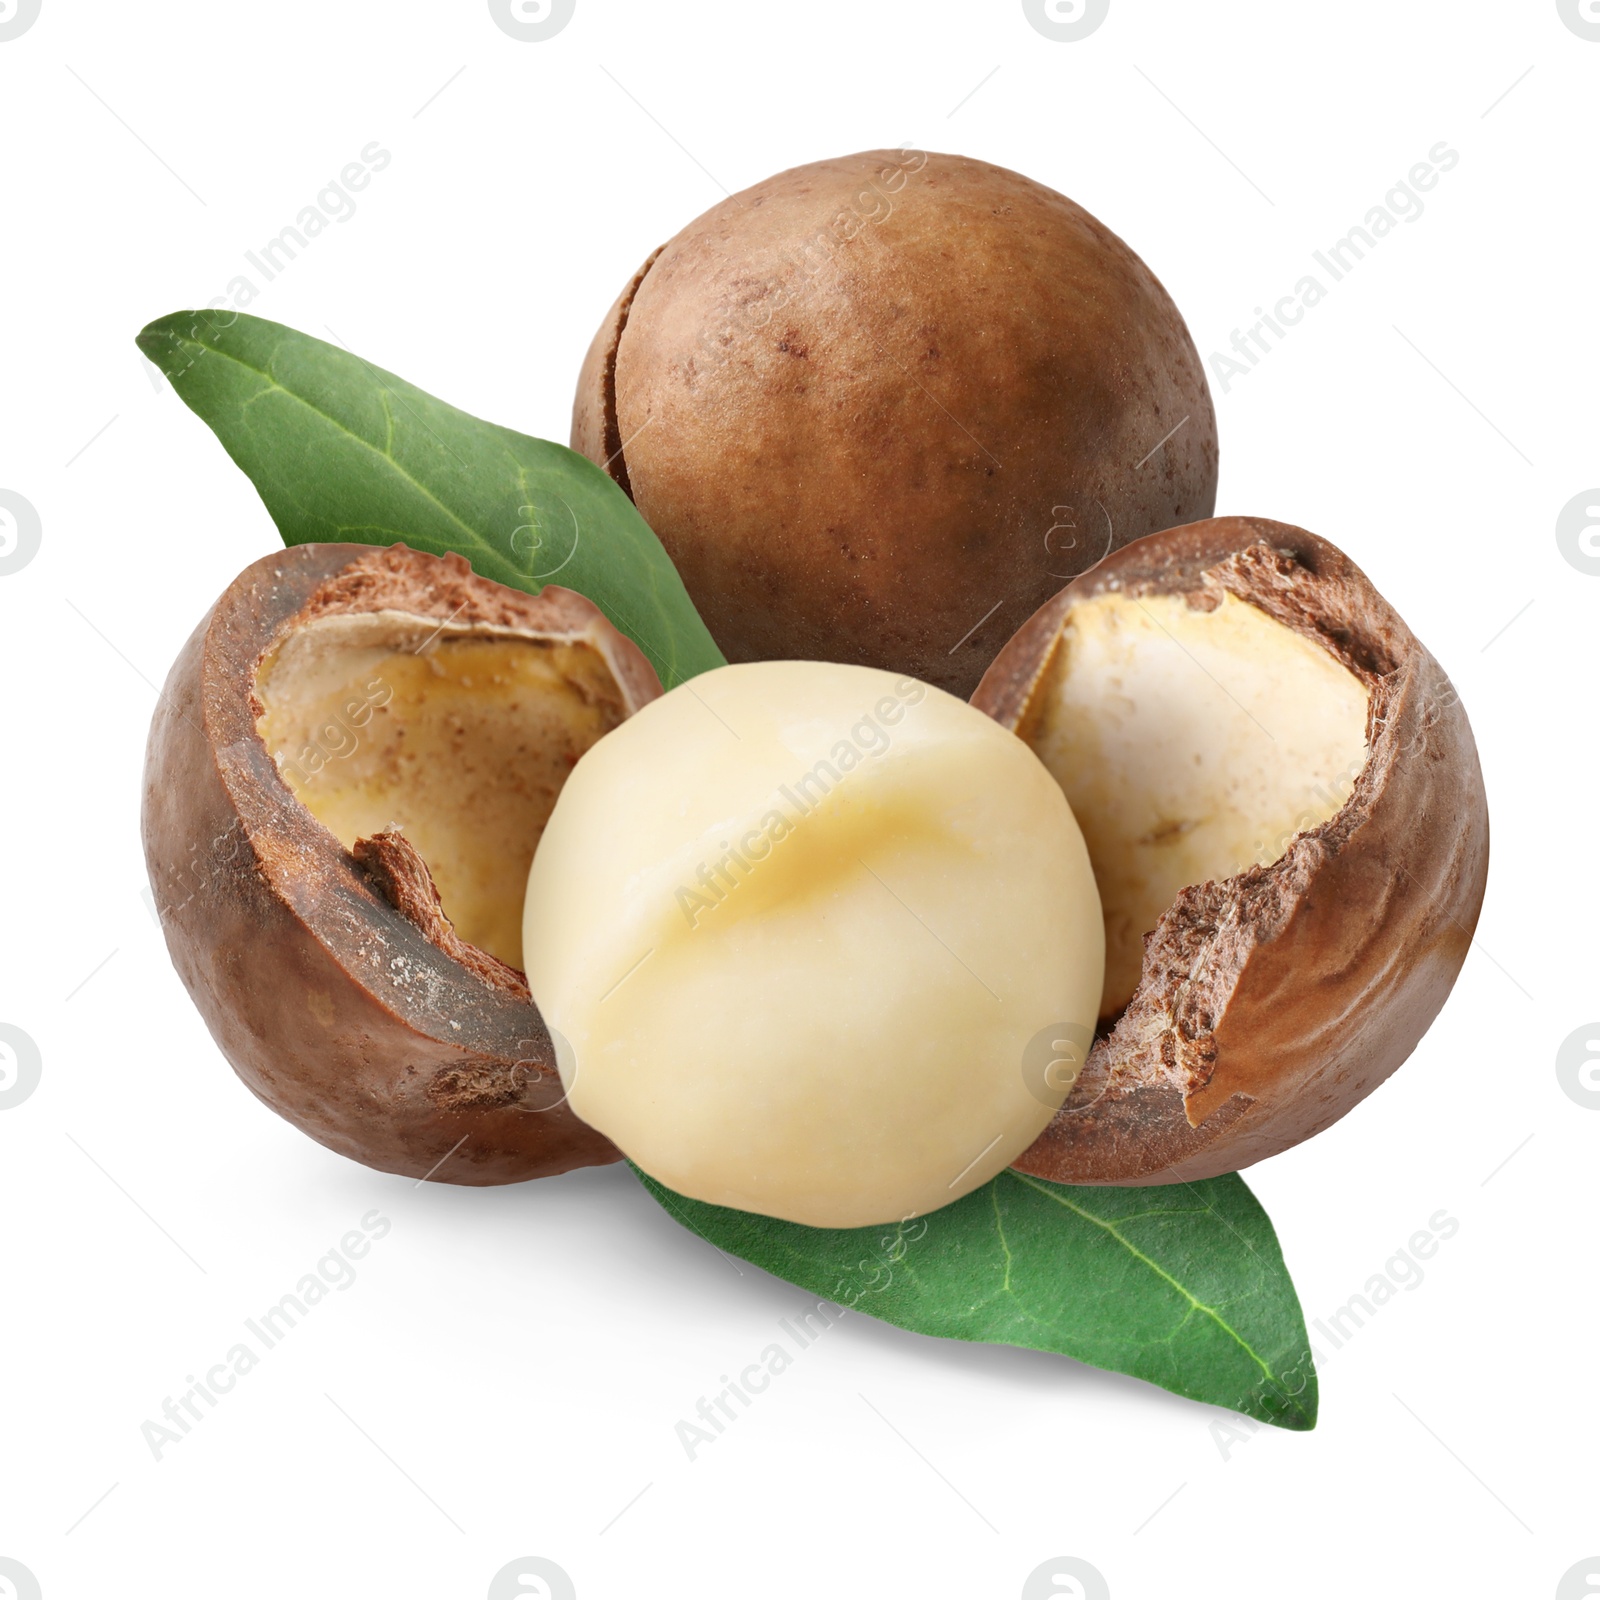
343, 451
1182, 1285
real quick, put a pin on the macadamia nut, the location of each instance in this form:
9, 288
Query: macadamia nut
879, 408
1190, 742
348, 732
815, 941
1283, 804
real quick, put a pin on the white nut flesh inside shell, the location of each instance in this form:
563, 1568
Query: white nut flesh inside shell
1191, 743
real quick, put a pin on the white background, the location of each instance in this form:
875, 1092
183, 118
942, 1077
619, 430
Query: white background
504, 1377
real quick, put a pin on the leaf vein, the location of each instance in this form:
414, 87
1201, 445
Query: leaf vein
383, 455
1155, 1267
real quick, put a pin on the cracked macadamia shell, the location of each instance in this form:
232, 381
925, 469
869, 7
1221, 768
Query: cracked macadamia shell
1282, 799
807, 934
879, 408
341, 719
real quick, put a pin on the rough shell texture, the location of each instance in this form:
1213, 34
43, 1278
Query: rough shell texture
872, 399
334, 985
1272, 1002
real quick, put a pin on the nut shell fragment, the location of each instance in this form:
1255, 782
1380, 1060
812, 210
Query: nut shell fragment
332, 980
1271, 1002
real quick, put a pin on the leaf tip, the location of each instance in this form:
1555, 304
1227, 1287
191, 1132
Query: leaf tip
195, 326
1291, 1409
150, 338
157, 339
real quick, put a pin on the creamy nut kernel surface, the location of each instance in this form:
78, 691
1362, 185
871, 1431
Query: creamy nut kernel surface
461, 737
1191, 744
795, 926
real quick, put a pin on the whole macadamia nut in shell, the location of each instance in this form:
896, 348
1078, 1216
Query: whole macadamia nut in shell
879, 408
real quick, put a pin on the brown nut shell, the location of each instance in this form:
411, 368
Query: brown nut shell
872, 399
330, 978
1271, 1002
